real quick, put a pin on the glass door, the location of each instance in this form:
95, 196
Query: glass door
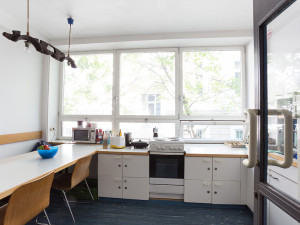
277, 170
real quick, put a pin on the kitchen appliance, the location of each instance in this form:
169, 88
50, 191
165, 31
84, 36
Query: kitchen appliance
139, 144
84, 135
117, 142
128, 139
166, 168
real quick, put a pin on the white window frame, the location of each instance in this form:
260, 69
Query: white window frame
178, 118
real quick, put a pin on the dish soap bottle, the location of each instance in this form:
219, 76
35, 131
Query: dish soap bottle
120, 133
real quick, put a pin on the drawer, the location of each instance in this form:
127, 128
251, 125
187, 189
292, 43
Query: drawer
166, 189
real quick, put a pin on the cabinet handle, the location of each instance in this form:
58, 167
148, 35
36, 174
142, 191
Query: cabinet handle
206, 183
128, 157
119, 165
117, 157
125, 181
218, 160
125, 165
216, 192
208, 168
208, 192
119, 187
206, 160
218, 185
117, 179
275, 178
216, 168
125, 187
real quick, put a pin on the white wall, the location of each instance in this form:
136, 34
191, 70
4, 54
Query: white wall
21, 78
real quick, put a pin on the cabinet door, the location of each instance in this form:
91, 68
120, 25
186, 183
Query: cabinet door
227, 169
136, 188
226, 192
197, 191
110, 187
109, 165
198, 168
135, 166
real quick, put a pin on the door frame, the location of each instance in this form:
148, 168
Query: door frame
262, 190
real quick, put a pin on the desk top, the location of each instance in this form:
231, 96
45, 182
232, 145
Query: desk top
17, 170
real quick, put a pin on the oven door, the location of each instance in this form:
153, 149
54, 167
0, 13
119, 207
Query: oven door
166, 166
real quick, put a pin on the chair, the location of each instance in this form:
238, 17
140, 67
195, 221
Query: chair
66, 181
27, 201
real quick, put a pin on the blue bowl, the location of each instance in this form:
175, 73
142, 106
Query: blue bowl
47, 154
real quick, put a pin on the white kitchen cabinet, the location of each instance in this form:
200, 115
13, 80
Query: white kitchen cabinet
213, 180
197, 191
135, 166
123, 176
109, 186
136, 188
227, 169
275, 215
226, 192
197, 168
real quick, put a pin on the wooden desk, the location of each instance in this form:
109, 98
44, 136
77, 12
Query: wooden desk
17, 170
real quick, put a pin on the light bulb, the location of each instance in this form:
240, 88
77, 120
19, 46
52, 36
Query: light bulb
27, 47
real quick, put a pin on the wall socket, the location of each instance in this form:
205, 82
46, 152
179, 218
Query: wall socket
51, 129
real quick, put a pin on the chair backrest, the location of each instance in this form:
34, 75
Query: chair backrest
27, 201
81, 170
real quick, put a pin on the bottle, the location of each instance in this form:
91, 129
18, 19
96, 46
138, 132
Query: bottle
120, 133
105, 140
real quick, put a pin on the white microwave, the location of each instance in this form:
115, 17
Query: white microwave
84, 135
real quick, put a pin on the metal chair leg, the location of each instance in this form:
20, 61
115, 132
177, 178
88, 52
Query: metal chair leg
68, 205
89, 189
48, 221
47, 217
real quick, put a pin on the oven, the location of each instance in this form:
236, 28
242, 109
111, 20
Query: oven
166, 166
166, 169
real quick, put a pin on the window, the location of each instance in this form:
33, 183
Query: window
147, 83
211, 83
87, 90
179, 91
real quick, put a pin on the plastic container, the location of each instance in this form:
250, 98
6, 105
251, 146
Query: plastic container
47, 154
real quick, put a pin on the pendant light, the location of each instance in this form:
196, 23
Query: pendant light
40, 45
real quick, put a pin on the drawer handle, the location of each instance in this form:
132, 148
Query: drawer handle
275, 178
117, 157
117, 179
206, 183
218, 160
128, 157
218, 185
206, 160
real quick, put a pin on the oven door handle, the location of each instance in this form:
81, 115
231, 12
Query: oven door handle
166, 153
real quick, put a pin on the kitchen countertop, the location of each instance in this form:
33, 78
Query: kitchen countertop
281, 158
214, 150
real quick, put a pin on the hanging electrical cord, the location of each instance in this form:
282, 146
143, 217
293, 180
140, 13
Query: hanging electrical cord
70, 22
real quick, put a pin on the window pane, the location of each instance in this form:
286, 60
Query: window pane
88, 89
215, 132
145, 130
145, 79
68, 125
212, 83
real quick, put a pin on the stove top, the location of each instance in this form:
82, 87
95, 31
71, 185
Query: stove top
166, 145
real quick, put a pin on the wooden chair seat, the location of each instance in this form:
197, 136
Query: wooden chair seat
27, 201
2, 213
63, 182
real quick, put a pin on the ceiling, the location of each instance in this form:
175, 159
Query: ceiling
98, 18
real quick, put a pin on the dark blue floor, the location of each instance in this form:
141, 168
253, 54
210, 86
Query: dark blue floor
112, 212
